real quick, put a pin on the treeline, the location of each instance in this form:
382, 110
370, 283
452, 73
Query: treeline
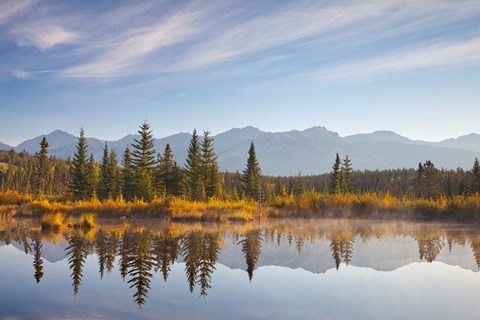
144, 174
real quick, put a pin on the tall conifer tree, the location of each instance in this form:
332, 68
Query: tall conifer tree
336, 176
42, 169
193, 170
210, 172
347, 179
143, 160
166, 172
251, 175
79, 185
128, 176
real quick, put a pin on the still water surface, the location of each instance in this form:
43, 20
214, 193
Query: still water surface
301, 269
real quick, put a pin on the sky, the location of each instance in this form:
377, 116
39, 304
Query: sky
408, 66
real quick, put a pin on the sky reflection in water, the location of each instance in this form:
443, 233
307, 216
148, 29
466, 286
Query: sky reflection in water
283, 270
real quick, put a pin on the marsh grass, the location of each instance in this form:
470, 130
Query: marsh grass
52, 221
308, 204
60, 221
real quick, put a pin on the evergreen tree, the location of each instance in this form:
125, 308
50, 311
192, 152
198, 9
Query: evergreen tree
428, 181
92, 177
193, 170
79, 185
251, 175
166, 178
128, 176
210, 172
177, 181
336, 177
42, 169
475, 177
143, 160
299, 187
347, 180
114, 175
104, 187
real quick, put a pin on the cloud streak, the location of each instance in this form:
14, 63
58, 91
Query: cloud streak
155, 39
431, 56
43, 37
10, 8
21, 74
116, 59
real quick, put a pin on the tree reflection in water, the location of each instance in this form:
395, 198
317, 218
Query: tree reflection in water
140, 253
251, 247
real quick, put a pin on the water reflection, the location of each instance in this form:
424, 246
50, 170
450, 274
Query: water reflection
138, 253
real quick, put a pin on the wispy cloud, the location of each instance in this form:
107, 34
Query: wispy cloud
10, 8
158, 38
116, 58
426, 57
21, 74
306, 21
43, 37
284, 26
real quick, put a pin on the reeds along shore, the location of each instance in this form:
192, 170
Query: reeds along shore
308, 204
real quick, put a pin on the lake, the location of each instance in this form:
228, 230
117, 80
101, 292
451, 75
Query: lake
282, 269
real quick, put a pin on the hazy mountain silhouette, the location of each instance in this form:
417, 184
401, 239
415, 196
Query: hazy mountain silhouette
310, 151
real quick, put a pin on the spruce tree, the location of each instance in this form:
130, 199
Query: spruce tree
103, 186
347, 180
92, 178
299, 187
143, 160
251, 175
210, 172
166, 166
42, 169
193, 170
475, 177
128, 176
79, 185
114, 175
336, 176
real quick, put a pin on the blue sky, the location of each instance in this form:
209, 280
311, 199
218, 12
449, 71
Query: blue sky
412, 67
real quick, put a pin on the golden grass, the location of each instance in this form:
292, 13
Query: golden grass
58, 221
308, 204
213, 209
52, 221
13, 198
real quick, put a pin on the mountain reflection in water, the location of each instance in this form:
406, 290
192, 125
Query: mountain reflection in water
139, 252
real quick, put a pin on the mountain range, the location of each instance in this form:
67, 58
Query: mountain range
311, 151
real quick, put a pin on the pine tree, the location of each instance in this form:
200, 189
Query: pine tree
143, 160
42, 169
428, 181
210, 172
193, 170
251, 175
475, 177
166, 178
114, 175
128, 176
347, 180
79, 185
103, 186
336, 177
299, 187
92, 177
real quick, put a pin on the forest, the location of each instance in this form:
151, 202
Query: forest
145, 180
